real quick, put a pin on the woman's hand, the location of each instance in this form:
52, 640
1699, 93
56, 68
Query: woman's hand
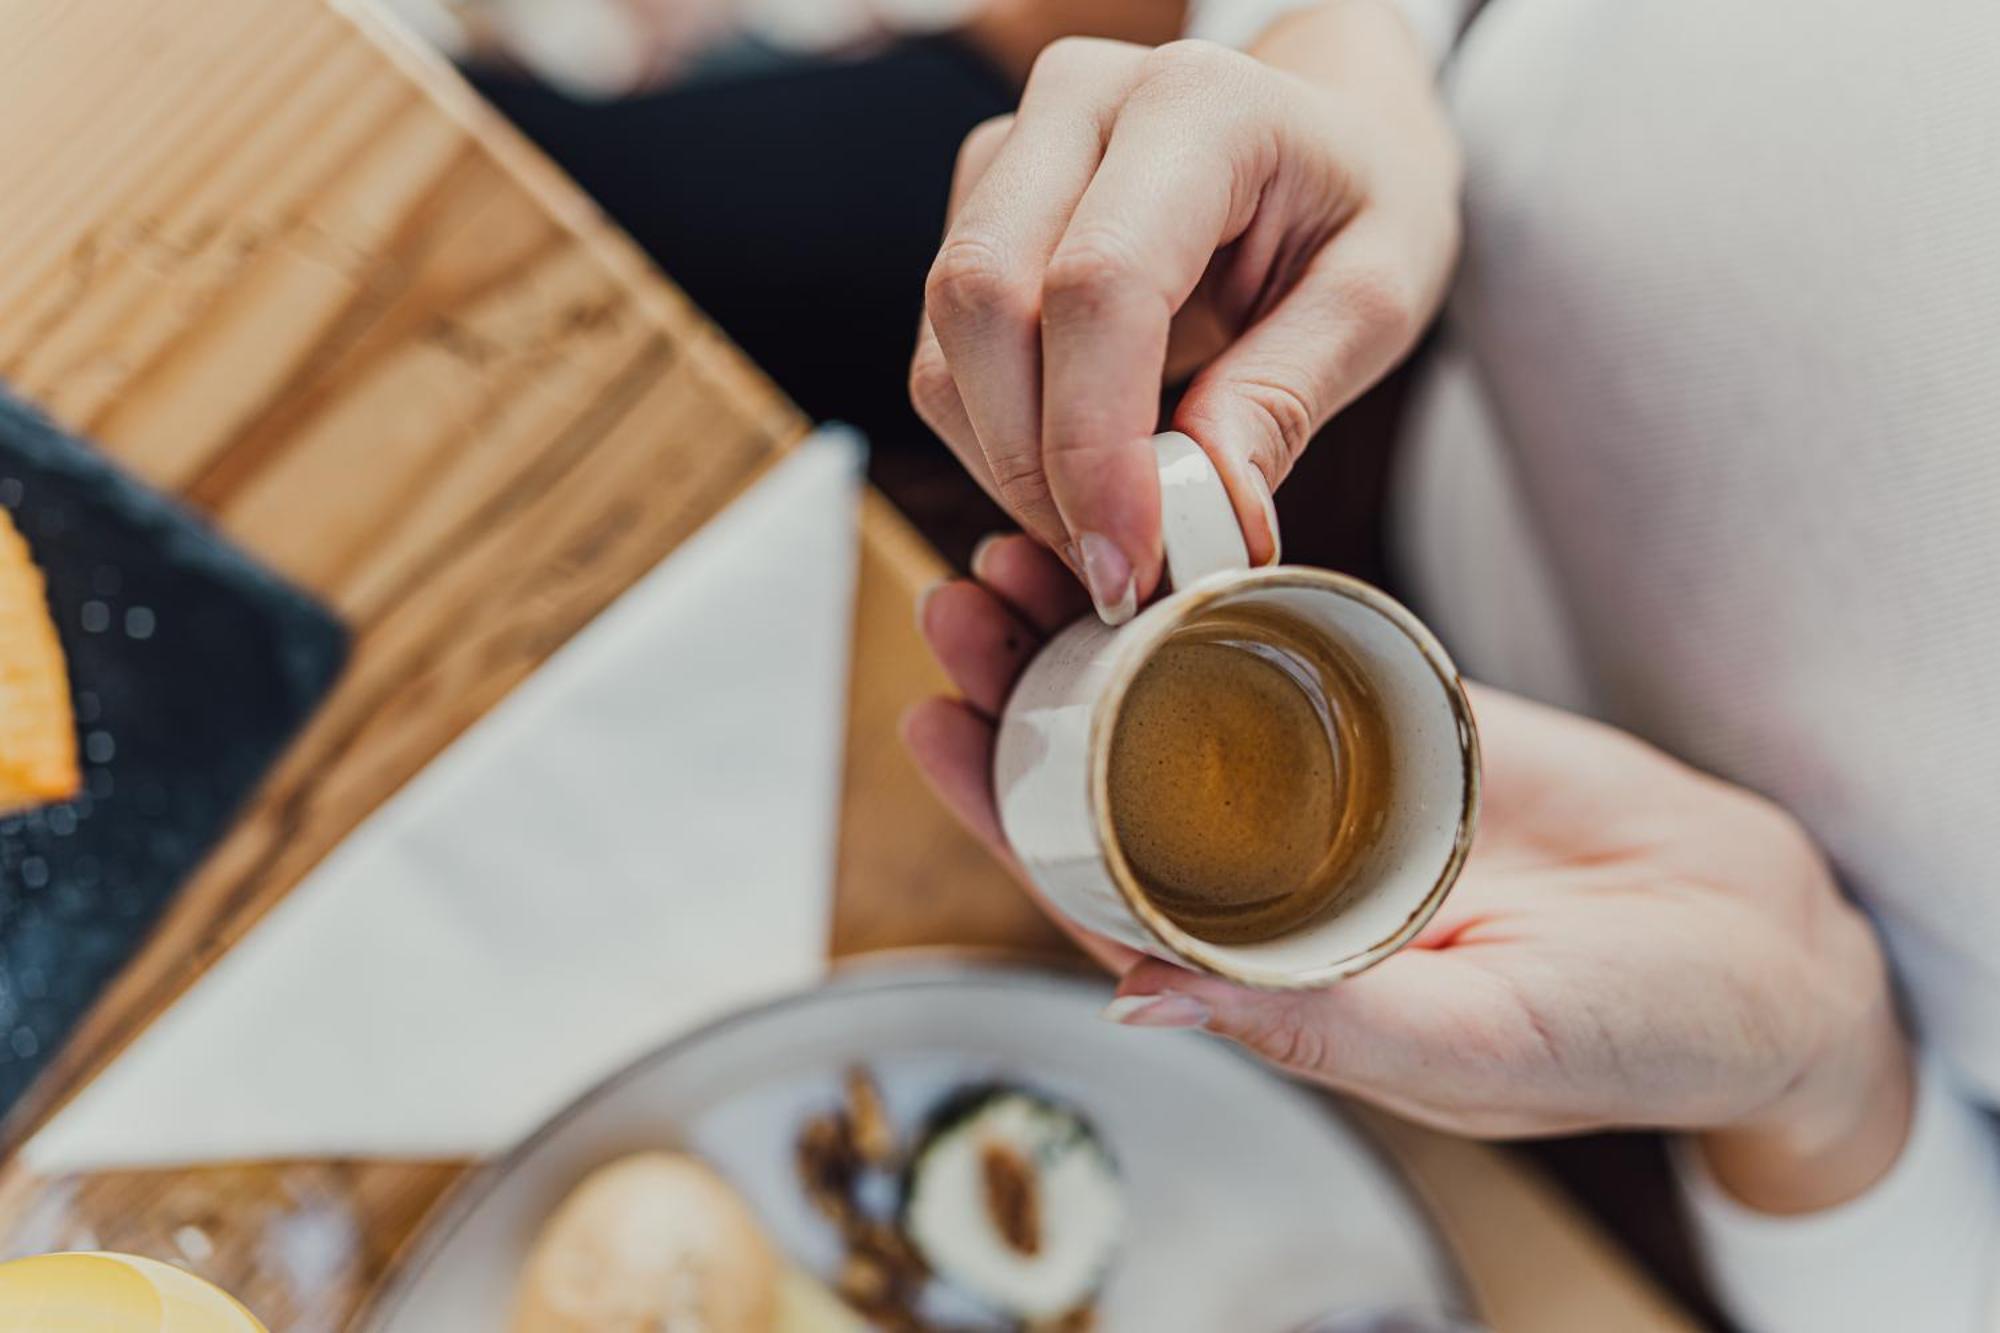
1631, 942
1281, 228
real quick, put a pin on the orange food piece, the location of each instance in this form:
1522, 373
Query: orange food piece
37, 733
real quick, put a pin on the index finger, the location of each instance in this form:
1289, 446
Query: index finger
1165, 198
983, 293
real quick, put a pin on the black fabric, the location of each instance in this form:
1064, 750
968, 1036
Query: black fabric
800, 206
190, 667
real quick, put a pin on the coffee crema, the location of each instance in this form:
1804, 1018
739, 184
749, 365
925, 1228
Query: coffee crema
1249, 771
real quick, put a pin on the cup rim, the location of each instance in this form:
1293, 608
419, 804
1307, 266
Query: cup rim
1131, 655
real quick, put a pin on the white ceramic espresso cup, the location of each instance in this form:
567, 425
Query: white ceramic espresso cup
1052, 762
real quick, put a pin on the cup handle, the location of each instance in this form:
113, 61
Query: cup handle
1198, 526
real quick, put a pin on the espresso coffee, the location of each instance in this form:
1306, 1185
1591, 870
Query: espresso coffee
1249, 772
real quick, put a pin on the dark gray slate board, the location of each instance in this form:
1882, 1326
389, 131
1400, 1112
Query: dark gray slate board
190, 668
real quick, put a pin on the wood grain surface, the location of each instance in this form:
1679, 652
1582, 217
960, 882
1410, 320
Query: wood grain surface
908, 875
285, 266
333, 302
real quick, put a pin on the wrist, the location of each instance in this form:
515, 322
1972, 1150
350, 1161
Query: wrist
1835, 1131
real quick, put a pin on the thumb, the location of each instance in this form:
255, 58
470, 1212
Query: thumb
1277, 1025
1382, 1032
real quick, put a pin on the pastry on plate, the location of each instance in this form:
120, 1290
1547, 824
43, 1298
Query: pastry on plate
652, 1243
37, 732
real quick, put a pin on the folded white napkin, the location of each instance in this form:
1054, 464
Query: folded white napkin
640, 836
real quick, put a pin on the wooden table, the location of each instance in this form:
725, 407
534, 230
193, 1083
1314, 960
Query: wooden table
286, 266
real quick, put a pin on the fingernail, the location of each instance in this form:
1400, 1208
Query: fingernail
1108, 575
1263, 489
1158, 1011
982, 551
1072, 559
924, 601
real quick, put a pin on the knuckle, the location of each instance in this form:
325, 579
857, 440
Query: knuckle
1019, 480
1192, 72
1797, 846
1385, 301
1088, 271
1222, 95
1762, 820
970, 279
1191, 59
1288, 1038
1067, 60
1289, 418
1791, 867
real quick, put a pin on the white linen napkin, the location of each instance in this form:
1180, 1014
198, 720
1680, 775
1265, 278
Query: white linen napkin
640, 836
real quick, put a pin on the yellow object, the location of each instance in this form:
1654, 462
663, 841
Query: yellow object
112, 1293
37, 735
805, 1305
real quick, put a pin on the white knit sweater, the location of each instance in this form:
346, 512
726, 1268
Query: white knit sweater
1713, 451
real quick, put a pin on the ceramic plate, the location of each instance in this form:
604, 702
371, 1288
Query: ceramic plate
1253, 1206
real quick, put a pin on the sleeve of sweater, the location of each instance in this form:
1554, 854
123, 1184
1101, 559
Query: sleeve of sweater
1240, 22
1918, 1250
